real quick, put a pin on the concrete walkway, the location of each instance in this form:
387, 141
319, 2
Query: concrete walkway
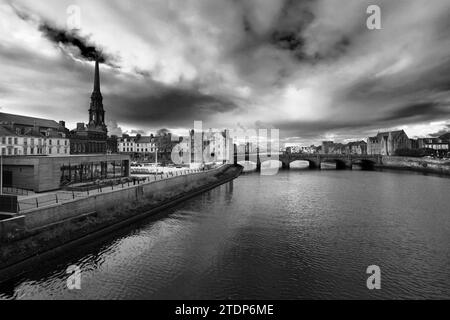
57, 197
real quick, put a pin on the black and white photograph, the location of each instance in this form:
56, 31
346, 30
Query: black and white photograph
216, 152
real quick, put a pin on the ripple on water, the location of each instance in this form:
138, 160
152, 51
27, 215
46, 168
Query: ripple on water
299, 234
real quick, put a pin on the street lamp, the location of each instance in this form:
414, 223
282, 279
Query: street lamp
106, 164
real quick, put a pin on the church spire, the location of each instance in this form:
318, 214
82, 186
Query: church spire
96, 112
97, 77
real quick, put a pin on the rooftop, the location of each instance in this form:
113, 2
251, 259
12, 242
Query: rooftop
95, 155
7, 118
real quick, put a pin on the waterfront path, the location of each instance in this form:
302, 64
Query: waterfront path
35, 201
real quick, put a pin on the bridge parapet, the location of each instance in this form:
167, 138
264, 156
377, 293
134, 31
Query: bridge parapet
315, 160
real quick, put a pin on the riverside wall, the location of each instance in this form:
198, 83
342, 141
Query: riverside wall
112, 200
39, 230
416, 164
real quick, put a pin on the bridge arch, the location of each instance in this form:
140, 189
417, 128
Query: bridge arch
364, 164
299, 164
340, 163
312, 164
272, 164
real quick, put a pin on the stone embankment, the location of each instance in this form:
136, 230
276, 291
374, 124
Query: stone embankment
417, 164
40, 233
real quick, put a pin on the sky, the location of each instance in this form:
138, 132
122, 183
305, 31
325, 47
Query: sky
310, 68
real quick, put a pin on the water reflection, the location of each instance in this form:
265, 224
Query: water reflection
299, 234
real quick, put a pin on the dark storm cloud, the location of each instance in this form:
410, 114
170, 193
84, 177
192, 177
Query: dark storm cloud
309, 68
311, 131
432, 77
287, 33
85, 49
414, 113
423, 110
66, 38
346, 128
166, 106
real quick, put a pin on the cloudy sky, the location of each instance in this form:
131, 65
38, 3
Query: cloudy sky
309, 68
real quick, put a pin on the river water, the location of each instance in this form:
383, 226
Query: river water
296, 235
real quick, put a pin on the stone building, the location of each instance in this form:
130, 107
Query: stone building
93, 137
150, 147
387, 143
356, 147
445, 137
22, 135
433, 143
326, 146
373, 146
137, 145
211, 147
165, 143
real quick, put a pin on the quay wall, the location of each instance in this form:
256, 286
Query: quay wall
42, 232
112, 200
416, 164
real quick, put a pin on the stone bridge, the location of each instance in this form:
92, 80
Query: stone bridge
342, 161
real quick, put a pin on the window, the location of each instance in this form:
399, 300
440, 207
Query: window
57, 142
9, 140
15, 141
15, 151
31, 150
3, 151
50, 142
4, 140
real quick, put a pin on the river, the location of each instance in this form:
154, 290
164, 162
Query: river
300, 234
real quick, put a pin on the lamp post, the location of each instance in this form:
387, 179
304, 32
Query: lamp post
106, 163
